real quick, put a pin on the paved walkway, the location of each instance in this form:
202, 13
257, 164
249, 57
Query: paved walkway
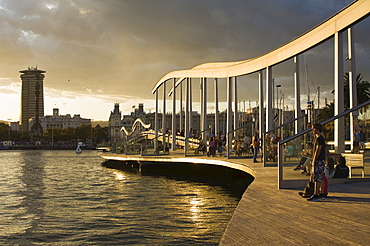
268, 216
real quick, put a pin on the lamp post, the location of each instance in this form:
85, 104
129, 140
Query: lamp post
277, 101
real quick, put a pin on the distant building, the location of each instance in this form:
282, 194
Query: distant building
61, 121
115, 124
14, 126
31, 79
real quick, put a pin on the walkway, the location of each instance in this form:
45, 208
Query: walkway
268, 216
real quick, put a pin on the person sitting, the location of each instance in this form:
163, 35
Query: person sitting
329, 173
306, 161
289, 150
201, 148
341, 170
329, 168
241, 148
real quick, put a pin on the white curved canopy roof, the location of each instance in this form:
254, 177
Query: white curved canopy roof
338, 22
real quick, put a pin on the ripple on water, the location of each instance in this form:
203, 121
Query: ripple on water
60, 198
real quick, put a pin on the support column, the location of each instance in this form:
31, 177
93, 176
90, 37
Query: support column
339, 126
236, 115
352, 76
269, 116
217, 130
156, 126
174, 115
229, 111
186, 115
201, 106
261, 118
164, 123
191, 104
204, 109
297, 95
181, 120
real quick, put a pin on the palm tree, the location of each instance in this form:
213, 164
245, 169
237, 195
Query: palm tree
326, 113
363, 95
363, 91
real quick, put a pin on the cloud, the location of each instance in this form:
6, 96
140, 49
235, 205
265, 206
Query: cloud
123, 48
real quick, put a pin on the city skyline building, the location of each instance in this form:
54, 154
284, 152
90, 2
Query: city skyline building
58, 121
32, 84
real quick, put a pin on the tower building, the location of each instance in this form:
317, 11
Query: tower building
115, 124
32, 97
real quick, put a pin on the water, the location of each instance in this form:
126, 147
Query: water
60, 198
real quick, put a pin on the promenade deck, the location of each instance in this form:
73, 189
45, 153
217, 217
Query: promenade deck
266, 215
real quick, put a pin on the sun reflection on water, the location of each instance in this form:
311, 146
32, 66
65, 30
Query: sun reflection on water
119, 176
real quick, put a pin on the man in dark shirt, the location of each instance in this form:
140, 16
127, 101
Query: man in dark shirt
318, 163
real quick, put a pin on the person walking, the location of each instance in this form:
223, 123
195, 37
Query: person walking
318, 164
256, 146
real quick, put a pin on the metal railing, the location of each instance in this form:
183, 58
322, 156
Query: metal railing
271, 138
235, 144
193, 146
287, 177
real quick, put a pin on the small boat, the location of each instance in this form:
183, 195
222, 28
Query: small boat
78, 149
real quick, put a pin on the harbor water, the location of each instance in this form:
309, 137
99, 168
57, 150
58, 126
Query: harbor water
60, 198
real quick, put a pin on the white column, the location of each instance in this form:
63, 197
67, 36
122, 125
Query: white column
181, 122
229, 111
269, 116
156, 121
236, 115
217, 130
297, 94
191, 104
186, 114
339, 126
174, 115
164, 124
201, 104
204, 109
352, 76
261, 118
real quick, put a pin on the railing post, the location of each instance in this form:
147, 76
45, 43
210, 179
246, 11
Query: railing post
280, 165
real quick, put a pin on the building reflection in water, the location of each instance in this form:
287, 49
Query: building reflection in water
32, 202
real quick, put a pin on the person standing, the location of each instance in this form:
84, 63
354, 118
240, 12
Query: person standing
318, 164
256, 146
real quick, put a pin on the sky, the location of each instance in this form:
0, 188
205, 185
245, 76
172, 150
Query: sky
96, 53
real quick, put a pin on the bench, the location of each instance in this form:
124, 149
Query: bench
355, 161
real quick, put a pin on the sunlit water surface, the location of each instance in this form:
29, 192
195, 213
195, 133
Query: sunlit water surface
60, 198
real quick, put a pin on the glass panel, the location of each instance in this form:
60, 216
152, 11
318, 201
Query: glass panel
297, 162
195, 145
155, 146
238, 142
271, 139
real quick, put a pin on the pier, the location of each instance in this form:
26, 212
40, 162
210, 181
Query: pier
267, 215
270, 211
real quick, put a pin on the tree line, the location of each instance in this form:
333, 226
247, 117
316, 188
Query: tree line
96, 135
